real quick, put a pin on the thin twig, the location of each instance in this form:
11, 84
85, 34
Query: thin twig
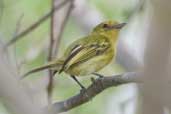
51, 34
94, 89
50, 83
54, 43
36, 24
18, 25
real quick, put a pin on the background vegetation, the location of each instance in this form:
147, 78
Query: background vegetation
31, 52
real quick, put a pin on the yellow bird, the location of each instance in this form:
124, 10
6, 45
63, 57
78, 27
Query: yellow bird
89, 54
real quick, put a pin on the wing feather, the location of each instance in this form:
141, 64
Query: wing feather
84, 50
86, 53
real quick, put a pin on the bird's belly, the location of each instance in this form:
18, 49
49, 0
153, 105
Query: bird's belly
93, 65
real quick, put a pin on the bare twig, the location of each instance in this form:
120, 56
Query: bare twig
51, 34
55, 40
94, 89
18, 25
50, 83
36, 24
56, 45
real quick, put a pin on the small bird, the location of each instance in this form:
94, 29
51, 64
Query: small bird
89, 54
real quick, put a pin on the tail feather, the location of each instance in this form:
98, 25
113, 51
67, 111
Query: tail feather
55, 65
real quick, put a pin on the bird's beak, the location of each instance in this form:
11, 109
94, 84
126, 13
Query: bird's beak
118, 26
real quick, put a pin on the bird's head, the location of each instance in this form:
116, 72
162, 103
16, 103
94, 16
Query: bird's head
109, 28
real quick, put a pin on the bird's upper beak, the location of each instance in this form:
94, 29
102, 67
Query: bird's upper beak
118, 26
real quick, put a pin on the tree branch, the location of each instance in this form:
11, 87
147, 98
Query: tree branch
55, 36
50, 54
94, 89
36, 24
63, 23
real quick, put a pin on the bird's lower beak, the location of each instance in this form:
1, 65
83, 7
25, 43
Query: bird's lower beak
119, 26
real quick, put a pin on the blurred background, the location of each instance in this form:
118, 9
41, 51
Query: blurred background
32, 50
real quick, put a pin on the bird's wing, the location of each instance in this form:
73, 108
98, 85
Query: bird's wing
83, 52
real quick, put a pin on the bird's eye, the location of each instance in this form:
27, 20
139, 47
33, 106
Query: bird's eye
105, 25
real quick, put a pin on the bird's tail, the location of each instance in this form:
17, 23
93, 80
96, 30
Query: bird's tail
57, 65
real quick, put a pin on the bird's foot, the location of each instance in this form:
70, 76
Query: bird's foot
83, 91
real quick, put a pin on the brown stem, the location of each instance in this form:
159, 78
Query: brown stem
36, 24
56, 45
94, 89
55, 40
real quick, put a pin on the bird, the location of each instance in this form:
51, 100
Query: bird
87, 55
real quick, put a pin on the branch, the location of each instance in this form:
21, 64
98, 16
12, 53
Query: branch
50, 54
36, 24
94, 89
18, 25
55, 36
65, 19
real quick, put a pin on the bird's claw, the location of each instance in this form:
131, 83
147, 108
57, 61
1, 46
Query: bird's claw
83, 91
